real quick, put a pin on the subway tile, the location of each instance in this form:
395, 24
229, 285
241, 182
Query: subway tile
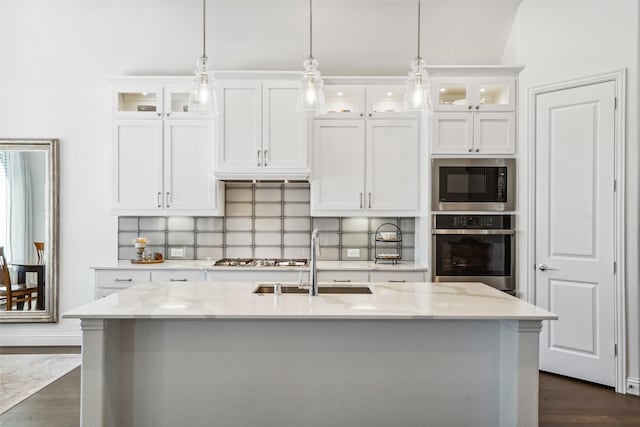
209, 224
179, 238
268, 195
296, 252
408, 254
126, 252
239, 238
296, 195
408, 224
181, 223
155, 238
326, 224
267, 224
355, 240
128, 223
239, 209
329, 238
377, 222
209, 239
268, 209
240, 252
154, 249
153, 223
296, 209
329, 254
297, 224
126, 238
355, 224
238, 194
297, 239
268, 252
268, 239
206, 253
408, 240
364, 255
238, 224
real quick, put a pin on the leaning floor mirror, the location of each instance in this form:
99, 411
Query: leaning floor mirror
28, 230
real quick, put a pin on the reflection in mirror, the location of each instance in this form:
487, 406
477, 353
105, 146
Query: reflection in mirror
28, 230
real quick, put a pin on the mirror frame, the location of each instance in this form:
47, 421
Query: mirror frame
50, 148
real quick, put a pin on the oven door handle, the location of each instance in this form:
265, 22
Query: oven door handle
475, 231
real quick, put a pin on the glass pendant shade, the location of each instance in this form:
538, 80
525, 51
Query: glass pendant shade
202, 99
311, 89
417, 96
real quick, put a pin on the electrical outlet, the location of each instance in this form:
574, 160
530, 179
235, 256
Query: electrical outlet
178, 252
353, 253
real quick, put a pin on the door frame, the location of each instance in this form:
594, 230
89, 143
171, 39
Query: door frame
619, 79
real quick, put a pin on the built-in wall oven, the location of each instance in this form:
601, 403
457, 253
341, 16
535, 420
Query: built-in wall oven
474, 248
473, 184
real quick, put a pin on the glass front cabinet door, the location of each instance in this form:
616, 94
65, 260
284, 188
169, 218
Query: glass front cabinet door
138, 103
474, 94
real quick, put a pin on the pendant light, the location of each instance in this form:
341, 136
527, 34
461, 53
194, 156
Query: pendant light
417, 96
202, 99
311, 90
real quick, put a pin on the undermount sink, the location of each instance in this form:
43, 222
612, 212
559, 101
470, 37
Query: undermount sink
294, 289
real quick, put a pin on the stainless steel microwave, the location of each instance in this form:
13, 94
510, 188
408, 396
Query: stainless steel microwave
473, 184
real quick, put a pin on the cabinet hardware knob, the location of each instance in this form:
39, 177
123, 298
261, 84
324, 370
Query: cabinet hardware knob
124, 280
168, 114
369, 200
477, 150
361, 114
361, 200
168, 197
470, 150
259, 157
370, 114
470, 107
264, 163
477, 107
159, 114
159, 201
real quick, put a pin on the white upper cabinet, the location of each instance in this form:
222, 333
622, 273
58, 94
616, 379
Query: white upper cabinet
365, 167
385, 102
452, 133
343, 102
473, 133
163, 157
474, 93
393, 165
260, 133
337, 181
494, 133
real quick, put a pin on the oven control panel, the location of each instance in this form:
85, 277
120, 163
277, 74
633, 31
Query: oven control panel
486, 222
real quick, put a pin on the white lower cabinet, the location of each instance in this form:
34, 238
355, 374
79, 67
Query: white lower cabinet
343, 276
255, 276
365, 170
108, 282
396, 276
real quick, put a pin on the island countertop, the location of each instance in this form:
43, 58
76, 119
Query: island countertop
236, 300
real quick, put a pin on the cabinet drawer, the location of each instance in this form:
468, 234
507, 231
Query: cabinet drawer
343, 276
397, 276
255, 276
177, 276
120, 278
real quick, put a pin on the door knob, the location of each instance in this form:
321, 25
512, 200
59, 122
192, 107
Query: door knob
544, 267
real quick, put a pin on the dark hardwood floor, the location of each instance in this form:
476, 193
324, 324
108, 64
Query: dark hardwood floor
564, 402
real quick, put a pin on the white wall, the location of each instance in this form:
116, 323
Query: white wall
564, 40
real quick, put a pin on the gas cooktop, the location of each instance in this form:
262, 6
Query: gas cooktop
261, 262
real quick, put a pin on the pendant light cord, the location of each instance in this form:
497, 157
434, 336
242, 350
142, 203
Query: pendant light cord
204, 28
310, 29
419, 28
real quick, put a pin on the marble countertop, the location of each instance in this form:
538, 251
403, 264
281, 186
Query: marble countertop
236, 300
322, 265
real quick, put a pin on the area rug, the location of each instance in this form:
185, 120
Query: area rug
22, 375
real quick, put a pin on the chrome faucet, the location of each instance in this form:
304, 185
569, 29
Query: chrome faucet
313, 272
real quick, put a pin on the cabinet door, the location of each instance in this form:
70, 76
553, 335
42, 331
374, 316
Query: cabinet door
452, 133
494, 133
493, 94
240, 126
137, 175
137, 102
343, 102
337, 181
393, 164
189, 164
284, 139
451, 94
385, 102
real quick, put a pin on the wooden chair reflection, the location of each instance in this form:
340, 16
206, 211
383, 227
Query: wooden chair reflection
39, 251
16, 294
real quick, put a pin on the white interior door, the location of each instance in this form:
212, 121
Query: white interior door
575, 230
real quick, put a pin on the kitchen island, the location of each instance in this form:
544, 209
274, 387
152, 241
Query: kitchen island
218, 354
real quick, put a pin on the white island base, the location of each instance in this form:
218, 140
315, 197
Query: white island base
315, 369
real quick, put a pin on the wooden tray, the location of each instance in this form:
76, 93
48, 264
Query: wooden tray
149, 261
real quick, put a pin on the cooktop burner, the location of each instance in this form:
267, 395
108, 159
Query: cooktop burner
262, 262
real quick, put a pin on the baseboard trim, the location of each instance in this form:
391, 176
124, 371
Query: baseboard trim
40, 340
633, 386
